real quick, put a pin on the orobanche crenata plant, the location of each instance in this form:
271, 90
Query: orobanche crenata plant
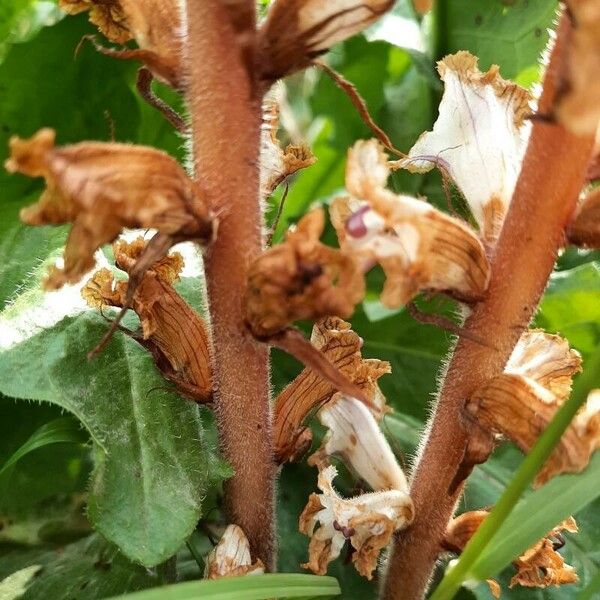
523, 165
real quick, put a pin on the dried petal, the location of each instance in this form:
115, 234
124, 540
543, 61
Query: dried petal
309, 391
301, 279
102, 188
418, 247
156, 26
368, 521
277, 164
584, 230
478, 139
422, 6
296, 31
172, 331
231, 556
461, 529
354, 436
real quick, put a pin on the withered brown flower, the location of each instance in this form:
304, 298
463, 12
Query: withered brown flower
156, 26
296, 31
102, 188
419, 247
301, 278
310, 391
521, 402
231, 556
171, 330
584, 229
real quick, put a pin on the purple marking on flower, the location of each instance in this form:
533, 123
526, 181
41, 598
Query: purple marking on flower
355, 225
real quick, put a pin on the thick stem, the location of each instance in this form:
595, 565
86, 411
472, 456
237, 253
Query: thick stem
224, 102
551, 178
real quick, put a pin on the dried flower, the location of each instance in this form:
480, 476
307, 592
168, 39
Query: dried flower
301, 279
156, 26
418, 247
584, 230
296, 31
231, 556
521, 402
368, 521
479, 138
310, 391
355, 437
102, 188
171, 330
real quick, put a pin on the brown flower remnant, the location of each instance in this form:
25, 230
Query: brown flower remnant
156, 26
310, 391
418, 247
578, 106
422, 6
539, 566
296, 31
301, 278
584, 230
231, 556
276, 164
171, 330
368, 521
104, 187
521, 402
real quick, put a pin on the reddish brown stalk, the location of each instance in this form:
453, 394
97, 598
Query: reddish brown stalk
224, 102
552, 176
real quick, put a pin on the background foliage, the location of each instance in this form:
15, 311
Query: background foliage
131, 459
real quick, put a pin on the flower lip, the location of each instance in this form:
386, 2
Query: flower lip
355, 225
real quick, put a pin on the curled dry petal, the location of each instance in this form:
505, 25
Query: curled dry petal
102, 188
171, 330
296, 31
418, 247
301, 279
276, 164
478, 139
231, 556
368, 521
309, 391
156, 26
354, 435
522, 401
584, 230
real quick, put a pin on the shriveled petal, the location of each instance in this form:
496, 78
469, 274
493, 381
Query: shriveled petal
584, 230
296, 31
231, 556
102, 188
462, 528
355, 437
309, 391
478, 139
301, 278
368, 521
419, 247
107, 15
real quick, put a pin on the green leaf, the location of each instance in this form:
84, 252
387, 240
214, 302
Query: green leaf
152, 463
65, 429
252, 587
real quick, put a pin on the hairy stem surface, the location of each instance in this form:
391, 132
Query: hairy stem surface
224, 102
552, 176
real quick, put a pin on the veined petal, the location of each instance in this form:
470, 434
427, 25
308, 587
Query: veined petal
231, 556
478, 139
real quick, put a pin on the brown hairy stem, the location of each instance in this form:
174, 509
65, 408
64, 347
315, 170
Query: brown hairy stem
225, 107
552, 176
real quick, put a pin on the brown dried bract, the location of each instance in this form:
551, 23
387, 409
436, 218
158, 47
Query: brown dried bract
296, 31
584, 230
301, 278
461, 529
104, 187
310, 391
171, 330
156, 26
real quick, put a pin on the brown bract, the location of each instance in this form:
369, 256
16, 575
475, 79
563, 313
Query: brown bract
296, 31
171, 330
584, 230
301, 278
419, 247
102, 188
310, 391
156, 26
522, 401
